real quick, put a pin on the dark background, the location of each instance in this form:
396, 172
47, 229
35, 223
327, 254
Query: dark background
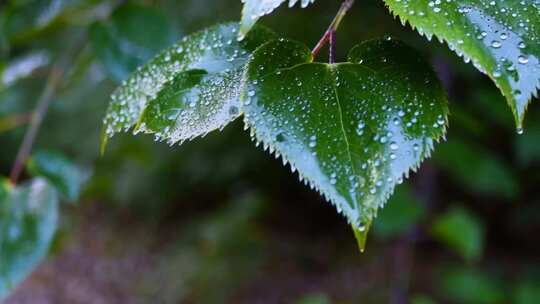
218, 220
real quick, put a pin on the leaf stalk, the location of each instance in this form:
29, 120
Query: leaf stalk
329, 35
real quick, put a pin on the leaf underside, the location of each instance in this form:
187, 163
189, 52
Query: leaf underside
28, 220
189, 89
501, 38
255, 9
352, 130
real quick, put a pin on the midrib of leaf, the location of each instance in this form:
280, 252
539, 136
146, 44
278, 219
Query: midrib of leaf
331, 69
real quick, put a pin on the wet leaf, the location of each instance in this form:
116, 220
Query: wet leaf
121, 45
65, 176
255, 9
188, 90
501, 38
352, 130
28, 221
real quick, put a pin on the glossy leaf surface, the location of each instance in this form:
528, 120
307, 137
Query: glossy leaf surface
255, 9
352, 130
28, 221
122, 46
189, 89
501, 38
61, 173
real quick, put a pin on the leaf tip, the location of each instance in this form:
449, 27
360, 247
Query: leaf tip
103, 145
360, 233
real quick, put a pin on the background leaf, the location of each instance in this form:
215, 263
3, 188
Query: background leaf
460, 231
254, 9
122, 46
501, 38
65, 176
491, 176
400, 215
28, 219
468, 286
25, 19
352, 130
527, 292
189, 89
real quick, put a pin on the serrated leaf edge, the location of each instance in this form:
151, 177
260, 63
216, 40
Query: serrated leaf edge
429, 36
313, 185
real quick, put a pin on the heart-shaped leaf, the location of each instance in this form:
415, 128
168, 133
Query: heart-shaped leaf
502, 38
189, 89
352, 130
28, 220
255, 9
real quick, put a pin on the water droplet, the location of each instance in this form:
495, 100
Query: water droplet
523, 59
496, 44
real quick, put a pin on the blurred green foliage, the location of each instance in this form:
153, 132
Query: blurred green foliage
283, 243
59, 171
460, 231
400, 215
464, 285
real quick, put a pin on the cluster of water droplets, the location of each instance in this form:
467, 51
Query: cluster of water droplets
501, 38
352, 136
153, 97
255, 9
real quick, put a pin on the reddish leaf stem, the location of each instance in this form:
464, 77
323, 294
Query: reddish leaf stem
329, 35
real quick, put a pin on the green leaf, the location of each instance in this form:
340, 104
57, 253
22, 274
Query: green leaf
352, 130
22, 67
422, 299
255, 9
527, 292
501, 38
400, 216
188, 90
121, 45
476, 169
66, 177
316, 298
469, 286
24, 19
460, 231
28, 221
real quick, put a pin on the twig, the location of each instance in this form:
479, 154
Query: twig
41, 109
51, 87
329, 35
